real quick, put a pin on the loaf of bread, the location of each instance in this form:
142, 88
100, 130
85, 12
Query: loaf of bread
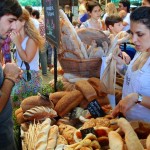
68, 102
55, 97
86, 89
115, 141
52, 138
33, 101
43, 135
97, 85
131, 138
18, 111
40, 112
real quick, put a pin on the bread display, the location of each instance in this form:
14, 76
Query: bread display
68, 102
86, 89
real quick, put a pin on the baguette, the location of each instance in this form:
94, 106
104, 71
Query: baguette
33, 101
68, 102
131, 139
52, 138
86, 89
55, 97
115, 141
43, 135
61, 140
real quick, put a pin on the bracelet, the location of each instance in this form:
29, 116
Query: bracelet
11, 80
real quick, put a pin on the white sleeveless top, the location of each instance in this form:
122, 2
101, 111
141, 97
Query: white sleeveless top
34, 64
138, 82
87, 24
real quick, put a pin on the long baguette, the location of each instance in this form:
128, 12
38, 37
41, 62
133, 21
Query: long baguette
68, 102
131, 139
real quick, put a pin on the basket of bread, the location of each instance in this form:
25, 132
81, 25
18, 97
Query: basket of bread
81, 51
78, 66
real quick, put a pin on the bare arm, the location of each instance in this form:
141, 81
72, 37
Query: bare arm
5, 93
31, 47
12, 74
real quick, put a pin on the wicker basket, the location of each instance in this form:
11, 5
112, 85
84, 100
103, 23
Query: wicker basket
80, 67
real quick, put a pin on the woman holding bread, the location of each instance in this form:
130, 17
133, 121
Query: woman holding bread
135, 103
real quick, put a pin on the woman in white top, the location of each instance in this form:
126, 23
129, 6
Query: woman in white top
27, 41
135, 103
94, 11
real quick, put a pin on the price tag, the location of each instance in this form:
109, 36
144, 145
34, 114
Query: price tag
95, 109
84, 132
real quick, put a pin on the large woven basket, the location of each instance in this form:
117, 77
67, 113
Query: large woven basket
80, 67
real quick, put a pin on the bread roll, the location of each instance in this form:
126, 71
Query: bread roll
39, 113
33, 101
68, 102
86, 89
131, 139
55, 97
52, 138
61, 140
67, 132
97, 85
18, 111
115, 141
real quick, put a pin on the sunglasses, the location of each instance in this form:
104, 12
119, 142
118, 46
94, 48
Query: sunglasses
28, 71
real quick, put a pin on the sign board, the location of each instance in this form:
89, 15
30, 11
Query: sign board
51, 12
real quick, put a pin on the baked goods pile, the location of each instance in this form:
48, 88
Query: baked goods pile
124, 136
64, 122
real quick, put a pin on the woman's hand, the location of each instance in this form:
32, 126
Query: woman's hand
16, 38
119, 62
125, 104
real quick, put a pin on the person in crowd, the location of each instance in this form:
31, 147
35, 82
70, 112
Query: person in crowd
83, 15
43, 53
68, 13
110, 9
28, 41
115, 26
9, 75
35, 22
125, 5
94, 11
135, 102
146, 3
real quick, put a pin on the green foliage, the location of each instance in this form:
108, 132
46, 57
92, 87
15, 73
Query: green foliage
30, 2
60, 86
46, 89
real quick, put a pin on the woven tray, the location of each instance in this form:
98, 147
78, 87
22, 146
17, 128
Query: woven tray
80, 67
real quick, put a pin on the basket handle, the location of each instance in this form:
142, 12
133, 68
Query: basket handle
69, 51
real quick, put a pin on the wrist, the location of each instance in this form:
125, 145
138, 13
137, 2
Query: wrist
10, 80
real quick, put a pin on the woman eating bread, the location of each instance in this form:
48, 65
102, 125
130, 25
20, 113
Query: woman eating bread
135, 102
